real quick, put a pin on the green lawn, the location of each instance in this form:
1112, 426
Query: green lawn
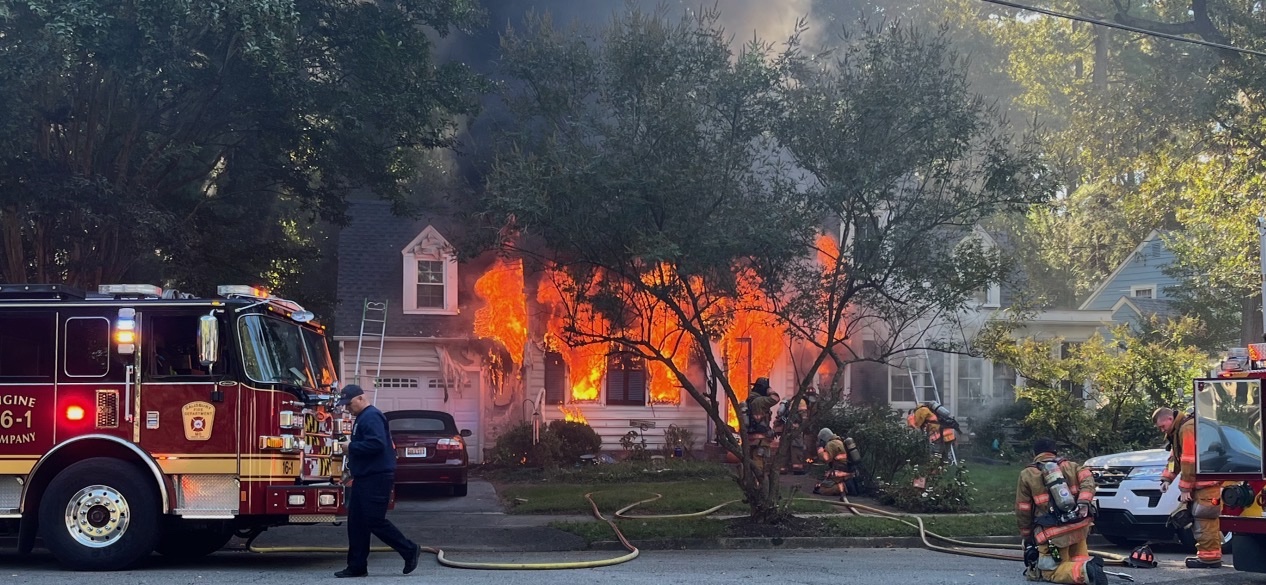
679, 497
951, 526
995, 486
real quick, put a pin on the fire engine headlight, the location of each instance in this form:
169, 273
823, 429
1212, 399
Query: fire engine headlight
296, 499
325, 499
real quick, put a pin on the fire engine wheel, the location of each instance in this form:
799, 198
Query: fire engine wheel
99, 515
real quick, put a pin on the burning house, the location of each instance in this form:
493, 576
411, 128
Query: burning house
483, 340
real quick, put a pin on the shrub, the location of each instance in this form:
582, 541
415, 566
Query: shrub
575, 439
930, 488
887, 444
634, 444
561, 443
675, 436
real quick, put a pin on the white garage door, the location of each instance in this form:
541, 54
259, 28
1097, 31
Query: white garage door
425, 391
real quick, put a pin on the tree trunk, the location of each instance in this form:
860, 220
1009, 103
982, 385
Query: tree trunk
1099, 77
1251, 320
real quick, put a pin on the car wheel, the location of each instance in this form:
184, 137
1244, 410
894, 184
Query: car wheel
1122, 541
1188, 541
100, 515
460, 490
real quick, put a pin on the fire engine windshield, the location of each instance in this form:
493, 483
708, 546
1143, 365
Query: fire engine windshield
277, 352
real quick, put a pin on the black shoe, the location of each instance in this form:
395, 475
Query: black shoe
411, 562
1196, 563
1094, 572
351, 573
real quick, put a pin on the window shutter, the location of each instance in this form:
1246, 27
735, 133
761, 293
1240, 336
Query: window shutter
555, 378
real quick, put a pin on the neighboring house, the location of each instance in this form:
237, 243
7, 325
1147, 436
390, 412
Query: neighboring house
1137, 288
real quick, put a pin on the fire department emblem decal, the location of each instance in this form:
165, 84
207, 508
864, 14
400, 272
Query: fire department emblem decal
199, 419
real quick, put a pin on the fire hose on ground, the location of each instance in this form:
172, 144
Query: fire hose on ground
445, 561
856, 509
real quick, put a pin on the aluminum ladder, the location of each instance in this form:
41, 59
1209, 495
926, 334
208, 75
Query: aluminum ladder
923, 380
372, 338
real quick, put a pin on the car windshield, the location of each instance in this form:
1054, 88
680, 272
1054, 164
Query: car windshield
279, 352
418, 425
1241, 442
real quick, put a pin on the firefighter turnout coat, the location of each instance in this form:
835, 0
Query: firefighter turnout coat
1033, 501
1206, 496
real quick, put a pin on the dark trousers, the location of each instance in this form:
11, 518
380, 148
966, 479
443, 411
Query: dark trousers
367, 500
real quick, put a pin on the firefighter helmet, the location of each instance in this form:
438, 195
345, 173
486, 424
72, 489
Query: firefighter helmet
1141, 558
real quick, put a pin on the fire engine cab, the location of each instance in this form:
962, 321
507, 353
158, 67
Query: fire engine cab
135, 420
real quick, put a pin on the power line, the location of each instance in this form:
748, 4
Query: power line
1132, 29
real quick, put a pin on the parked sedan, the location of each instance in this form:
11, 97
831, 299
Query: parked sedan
429, 449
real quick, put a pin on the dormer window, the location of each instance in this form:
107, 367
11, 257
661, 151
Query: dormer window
430, 275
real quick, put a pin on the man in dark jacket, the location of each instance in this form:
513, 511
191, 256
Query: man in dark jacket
371, 460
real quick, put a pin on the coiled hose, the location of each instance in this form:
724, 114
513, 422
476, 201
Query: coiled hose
443, 560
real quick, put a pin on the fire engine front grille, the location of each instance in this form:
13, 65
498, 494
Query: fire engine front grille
107, 409
200, 495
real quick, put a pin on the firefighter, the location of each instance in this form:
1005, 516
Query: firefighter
1052, 509
759, 400
1202, 498
789, 425
934, 420
839, 469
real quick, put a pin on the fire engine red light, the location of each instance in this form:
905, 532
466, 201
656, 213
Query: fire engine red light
75, 413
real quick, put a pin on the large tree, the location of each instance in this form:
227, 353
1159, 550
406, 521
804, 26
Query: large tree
200, 140
679, 190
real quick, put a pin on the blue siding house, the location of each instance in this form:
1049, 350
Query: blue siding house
1138, 287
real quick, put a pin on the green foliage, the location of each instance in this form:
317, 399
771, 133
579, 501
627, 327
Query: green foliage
561, 443
199, 141
887, 443
634, 445
575, 439
1128, 374
933, 487
677, 436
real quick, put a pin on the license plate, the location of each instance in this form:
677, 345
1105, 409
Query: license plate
415, 451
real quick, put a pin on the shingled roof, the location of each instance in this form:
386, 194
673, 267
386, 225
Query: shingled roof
370, 266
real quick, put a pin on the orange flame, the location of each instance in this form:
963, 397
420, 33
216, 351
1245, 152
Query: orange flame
828, 251
503, 318
587, 364
573, 414
753, 342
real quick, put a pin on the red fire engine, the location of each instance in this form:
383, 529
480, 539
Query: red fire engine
1229, 435
135, 420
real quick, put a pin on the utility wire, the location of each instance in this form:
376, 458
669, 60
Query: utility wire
1133, 29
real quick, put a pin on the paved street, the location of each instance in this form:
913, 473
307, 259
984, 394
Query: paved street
863, 566
474, 529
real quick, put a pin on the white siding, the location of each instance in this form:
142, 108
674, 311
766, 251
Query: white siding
612, 422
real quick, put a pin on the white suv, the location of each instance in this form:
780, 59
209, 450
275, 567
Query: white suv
1132, 509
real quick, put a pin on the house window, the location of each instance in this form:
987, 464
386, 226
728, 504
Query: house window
900, 386
626, 380
1003, 382
971, 381
1143, 292
430, 275
430, 284
555, 378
